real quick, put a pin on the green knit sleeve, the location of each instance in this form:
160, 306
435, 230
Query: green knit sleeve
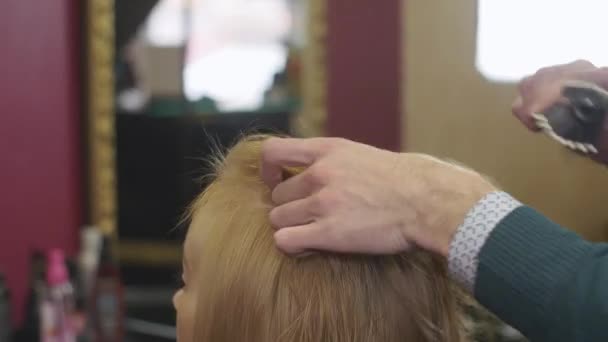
544, 280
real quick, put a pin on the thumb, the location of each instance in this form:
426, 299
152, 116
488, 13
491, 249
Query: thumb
524, 114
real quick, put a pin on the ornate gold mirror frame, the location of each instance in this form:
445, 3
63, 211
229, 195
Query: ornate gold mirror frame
100, 115
102, 185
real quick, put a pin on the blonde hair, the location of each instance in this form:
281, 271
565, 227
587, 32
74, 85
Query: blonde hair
250, 291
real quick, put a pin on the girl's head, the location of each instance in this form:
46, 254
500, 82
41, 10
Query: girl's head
239, 287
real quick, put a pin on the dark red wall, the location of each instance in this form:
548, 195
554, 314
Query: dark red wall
39, 128
364, 46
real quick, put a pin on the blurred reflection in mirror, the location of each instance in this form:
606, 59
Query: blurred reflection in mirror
219, 55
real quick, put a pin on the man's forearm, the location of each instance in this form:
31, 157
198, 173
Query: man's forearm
542, 279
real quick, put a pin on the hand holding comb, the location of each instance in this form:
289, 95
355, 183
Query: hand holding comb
576, 122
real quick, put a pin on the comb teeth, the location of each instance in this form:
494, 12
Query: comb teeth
542, 123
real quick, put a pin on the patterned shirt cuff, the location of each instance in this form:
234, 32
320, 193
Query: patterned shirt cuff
463, 257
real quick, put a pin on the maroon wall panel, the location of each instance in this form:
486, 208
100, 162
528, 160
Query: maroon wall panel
39, 133
364, 47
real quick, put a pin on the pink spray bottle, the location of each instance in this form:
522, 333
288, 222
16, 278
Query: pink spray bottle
57, 305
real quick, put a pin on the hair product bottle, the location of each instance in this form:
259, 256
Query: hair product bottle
57, 304
107, 298
30, 329
88, 260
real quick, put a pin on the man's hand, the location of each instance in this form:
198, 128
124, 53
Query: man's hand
540, 91
358, 199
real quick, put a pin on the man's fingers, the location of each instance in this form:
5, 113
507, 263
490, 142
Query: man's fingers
278, 153
300, 239
542, 90
296, 187
537, 97
294, 213
597, 76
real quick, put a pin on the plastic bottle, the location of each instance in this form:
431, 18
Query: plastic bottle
88, 260
88, 263
107, 298
57, 305
30, 330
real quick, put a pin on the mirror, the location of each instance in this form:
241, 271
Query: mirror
167, 82
196, 64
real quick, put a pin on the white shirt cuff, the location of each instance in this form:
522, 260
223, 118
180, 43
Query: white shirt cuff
471, 235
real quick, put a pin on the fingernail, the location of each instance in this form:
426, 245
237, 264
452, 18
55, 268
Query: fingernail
305, 254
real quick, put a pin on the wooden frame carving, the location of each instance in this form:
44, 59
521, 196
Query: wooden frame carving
311, 119
100, 115
102, 185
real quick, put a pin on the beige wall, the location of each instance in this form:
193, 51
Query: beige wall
452, 111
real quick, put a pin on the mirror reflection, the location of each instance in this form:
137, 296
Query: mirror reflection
210, 56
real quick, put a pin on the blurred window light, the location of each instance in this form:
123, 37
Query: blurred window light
517, 37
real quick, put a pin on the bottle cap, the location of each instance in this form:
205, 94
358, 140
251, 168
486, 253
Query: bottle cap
91, 240
57, 272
